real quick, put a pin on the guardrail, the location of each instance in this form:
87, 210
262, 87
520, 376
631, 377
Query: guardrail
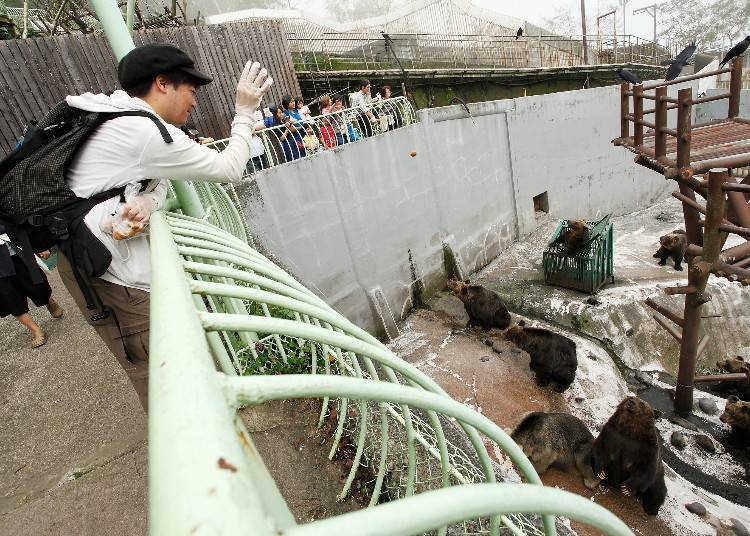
298, 139
356, 51
216, 299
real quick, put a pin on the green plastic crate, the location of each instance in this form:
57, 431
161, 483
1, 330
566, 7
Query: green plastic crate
588, 269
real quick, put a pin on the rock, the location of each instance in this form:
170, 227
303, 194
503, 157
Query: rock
738, 527
708, 406
696, 508
679, 441
705, 442
580, 399
488, 342
497, 348
592, 356
593, 301
664, 216
644, 377
484, 358
679, 421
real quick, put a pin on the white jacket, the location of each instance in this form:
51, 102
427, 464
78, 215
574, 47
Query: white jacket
130, 149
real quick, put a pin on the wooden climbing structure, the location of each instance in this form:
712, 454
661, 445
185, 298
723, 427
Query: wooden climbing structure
701, 159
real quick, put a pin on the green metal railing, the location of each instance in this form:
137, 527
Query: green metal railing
235, 307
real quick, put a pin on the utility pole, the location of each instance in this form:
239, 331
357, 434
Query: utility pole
624, 3
651, 10
583, 28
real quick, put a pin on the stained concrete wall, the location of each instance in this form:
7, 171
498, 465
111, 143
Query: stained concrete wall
346, 222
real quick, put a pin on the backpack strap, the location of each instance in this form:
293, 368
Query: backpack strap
107, 116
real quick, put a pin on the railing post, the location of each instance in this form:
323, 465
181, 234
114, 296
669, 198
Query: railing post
638, 115
624, 110
684, 124
735, 87
660, 120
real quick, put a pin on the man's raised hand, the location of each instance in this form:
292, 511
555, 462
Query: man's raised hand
254, 83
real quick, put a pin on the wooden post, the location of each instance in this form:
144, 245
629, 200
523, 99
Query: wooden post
735, 88
624, 110
638, 115
684, 135
698, 273
660, 137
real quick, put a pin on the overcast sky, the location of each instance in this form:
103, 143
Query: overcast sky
536, 10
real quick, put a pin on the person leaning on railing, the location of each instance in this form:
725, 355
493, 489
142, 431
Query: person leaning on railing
161, 80
362, 101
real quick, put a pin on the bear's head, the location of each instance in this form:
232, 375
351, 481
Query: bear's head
670, 240
577, 228
736, 413
458, 287
515, 334
635, 416
734, 365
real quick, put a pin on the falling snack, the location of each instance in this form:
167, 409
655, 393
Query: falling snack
413, 154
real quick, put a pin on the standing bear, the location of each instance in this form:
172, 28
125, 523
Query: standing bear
737, 415
627, 454
553, 356
673, 245
484, 307
557, 440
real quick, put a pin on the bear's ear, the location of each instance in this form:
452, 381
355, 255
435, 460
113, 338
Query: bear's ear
733, 399
741, 358
521, 323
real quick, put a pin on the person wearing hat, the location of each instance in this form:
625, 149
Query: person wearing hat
162, 80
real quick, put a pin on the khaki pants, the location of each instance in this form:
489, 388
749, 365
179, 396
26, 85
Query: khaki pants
126, 331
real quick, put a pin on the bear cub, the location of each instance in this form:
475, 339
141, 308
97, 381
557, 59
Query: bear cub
673, 245
574, 235
737, 415
553, 356
627, 454
484, 307
557, 440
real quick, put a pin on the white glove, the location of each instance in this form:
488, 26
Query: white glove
253, 84
138, 210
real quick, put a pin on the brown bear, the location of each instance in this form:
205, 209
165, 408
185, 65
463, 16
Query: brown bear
735, 365
627, 454
558, 440
673, 245
575, 234
553, 356
484, 307
737, 415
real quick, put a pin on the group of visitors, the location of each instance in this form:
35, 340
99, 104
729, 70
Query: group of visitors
295, 133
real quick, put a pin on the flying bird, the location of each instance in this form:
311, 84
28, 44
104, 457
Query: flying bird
519, 33
735, 51
676, 65
628, 76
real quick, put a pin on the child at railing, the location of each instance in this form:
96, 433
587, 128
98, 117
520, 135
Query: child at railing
310, 140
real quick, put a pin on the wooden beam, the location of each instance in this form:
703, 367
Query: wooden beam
670, 329
734, 377
677, 319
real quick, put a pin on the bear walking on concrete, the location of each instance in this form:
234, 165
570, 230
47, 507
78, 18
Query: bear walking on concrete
627, 454
557, 440
575, 234
553, 356
484, 307
737, 415
673, 245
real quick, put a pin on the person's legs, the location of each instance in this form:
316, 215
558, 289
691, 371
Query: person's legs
38, 337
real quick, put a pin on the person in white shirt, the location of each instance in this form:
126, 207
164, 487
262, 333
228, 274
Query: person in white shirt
363, 101
162, 80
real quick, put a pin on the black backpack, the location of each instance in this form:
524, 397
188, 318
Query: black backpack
37, 207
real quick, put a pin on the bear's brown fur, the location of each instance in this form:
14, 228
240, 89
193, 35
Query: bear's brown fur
557, 440
484, 307
673, 245
575, 234
627, 453
735, 365
737, 415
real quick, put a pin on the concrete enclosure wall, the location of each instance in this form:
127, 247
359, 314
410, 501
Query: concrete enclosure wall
367, 224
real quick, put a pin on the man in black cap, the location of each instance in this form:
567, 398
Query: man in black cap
161, 80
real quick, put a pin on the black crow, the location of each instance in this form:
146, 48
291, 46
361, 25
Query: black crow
628, 76
676, 65
519, 33
735, 51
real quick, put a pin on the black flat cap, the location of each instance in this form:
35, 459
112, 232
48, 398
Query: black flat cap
147, 61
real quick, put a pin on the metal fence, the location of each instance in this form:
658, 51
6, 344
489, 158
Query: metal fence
293, 139
215, 299
357, 51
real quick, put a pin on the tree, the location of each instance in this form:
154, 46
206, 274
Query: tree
353, 10
711, 24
